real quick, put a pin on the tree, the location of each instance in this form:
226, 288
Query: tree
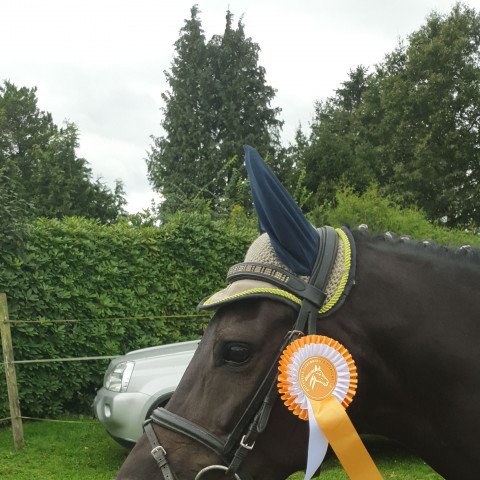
428, 143
39, 162
24, 129
180, 163
218, 101
63, 183
412, 125
330, 156
242, 98
14, 211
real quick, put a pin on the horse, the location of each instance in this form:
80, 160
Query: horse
409, 316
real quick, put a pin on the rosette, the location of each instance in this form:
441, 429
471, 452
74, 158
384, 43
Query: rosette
317, 382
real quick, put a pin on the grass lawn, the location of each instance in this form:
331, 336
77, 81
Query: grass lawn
393, 462
83, 451
61, 451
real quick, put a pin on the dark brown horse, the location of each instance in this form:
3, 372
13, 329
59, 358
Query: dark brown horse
412, 324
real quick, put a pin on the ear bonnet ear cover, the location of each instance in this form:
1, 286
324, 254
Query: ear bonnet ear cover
293, 238
288, 242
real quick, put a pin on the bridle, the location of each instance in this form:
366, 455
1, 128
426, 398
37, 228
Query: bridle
233, 448
236, 446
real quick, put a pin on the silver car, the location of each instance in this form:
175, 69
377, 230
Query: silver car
137, 383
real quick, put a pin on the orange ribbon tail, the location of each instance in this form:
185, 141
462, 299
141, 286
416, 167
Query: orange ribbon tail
344, 439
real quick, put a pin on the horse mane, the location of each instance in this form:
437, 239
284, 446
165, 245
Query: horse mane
420, 248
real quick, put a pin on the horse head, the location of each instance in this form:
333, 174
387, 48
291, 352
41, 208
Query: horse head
316, 376
226, 419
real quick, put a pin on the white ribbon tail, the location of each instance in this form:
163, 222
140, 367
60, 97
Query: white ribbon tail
317, 445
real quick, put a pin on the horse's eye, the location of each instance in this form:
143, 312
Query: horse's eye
236, 353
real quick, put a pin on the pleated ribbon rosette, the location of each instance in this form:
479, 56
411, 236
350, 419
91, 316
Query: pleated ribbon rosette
317, 382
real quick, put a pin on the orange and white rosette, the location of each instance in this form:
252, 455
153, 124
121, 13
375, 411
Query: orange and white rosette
317, 381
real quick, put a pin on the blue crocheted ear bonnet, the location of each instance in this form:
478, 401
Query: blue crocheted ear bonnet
288, 244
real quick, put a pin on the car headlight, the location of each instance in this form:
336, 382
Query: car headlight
118, 379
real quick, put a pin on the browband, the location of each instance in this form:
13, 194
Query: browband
277, 276
313, 290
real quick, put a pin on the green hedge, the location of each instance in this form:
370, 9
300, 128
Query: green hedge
382, 213
79, 269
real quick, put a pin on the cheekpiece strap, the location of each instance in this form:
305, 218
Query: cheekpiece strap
327, 253
158, 452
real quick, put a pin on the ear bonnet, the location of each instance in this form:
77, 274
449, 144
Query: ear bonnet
290, 261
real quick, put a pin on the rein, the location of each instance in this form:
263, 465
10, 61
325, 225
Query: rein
233, 449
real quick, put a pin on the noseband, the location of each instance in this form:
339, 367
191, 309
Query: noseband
233, 448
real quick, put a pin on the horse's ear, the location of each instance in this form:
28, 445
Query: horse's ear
294, 239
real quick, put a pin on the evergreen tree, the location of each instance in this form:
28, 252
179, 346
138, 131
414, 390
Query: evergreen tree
349, 95
412, 126
426, 102
218, 101
39, 162
14, 212
331, 154
24, 132
242, 99
180, 163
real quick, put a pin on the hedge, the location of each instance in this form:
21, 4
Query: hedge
80, 269
383, 213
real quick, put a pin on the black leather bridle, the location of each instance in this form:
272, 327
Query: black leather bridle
233, 448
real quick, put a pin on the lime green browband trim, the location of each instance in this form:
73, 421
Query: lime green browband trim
253, 291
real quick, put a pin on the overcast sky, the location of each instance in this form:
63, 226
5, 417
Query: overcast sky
100, 63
